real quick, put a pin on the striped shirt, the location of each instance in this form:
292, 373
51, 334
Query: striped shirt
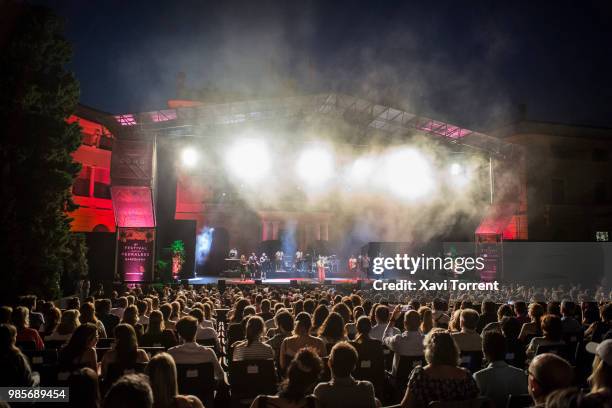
255, 351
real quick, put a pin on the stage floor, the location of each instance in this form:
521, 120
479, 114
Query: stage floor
207, 280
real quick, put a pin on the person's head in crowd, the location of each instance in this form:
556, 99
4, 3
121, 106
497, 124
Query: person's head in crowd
74, 303
363, 326
131, 299
87, 313
254, 329
198, 314
207, 308
440, 348
166, 311
553, 308
536, 311
454, 323
130, 391
439, 305
156, 322
20, 317
163, 379
412, 321
504, 310
488, 308
309, 306
142, 307
84, 338
265, 306
69, 322
84, 389
567, 308
574, 398
298, 307
319, 316
520, 308
303, 323
126, 343
606, 313
468, 320
302, 375
130, 315
426, 315
601, 378
547, 373
5, 314
122, 302
342, 360
238, 314
494, 346
367, 306
344, 311
187, 328
8, 338
511, 328
552, 328
358, 312
333, 327
382, 314
103, 307
284, 321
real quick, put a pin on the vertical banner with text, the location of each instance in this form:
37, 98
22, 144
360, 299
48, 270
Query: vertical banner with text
135, 254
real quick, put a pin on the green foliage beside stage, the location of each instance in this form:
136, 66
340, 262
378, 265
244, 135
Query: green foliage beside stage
37, 94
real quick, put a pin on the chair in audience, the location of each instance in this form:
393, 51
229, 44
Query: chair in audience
54, 344
516, 359
472, 360
250, 378
372, 370
565, 351
106, 342
519, 401
388, 356
480, 402
151, 351
209, 343
198, 380
117, 370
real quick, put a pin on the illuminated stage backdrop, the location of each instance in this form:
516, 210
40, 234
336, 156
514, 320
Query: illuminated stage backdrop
135, 254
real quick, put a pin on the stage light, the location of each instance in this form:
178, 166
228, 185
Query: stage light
248, 160
189, 157
361, 171
315, 166
456, 169
408, 174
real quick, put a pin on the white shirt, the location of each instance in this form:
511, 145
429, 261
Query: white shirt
499, 380
193, 353
143, 320
117, 311
378, 331
409, 343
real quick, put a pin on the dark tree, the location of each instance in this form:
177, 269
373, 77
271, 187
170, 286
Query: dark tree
37, 94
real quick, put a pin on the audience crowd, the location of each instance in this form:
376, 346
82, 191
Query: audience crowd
314, 346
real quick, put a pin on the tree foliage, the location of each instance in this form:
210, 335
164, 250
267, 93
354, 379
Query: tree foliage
37, 94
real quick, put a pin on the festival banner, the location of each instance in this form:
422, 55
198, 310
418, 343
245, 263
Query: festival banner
135, 254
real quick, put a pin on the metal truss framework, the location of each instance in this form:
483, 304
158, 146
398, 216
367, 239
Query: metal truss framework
361, 113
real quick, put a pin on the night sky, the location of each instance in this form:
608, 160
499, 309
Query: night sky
467, 62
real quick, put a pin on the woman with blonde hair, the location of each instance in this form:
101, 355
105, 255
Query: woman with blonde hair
601, 378
163, 379
301, 338
534, 327
130, 316
426, 319
441, 379
68, 324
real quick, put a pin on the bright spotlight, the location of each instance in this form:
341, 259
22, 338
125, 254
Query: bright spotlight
189, 157
456, 169
315, 166
408, 174
248, 160
361, 170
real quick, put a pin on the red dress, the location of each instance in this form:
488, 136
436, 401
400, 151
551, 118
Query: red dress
28, 334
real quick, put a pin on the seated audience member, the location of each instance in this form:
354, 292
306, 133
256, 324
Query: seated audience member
53, 315
553, 334
130, 316
350, 327
252, 348
143, 307
332, 330
601, 378
80, 350
121, 304
427, 322
130, 391
575, 398
35, 318
382, 315
84, 389
156, 334
367, 347
318, 318
284, 326
441, 379
205, 332
300, 339
103, 308
191, 352
502, 311
569, 323
532, 328
88, 315
521, 312
68, 324
209, 320
296, 390
125, 351
343, 389
15, 371
5, 314
441, 318
597, 330
163, 379
547, 373
488, 315
265, 312
468, 339
499, 379
410, 342
511, 328
21, 322
166, 311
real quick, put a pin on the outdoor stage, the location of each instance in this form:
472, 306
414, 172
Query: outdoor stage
207, 280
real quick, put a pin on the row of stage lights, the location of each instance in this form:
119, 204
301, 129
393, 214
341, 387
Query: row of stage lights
405, 171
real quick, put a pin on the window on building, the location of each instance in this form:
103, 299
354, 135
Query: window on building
601, 155
557, 191
80, 186
102, 183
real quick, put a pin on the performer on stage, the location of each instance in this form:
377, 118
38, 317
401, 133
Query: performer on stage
253, 264
352, 266
365, 265
321, 269
264, 263
297, 262
278, 258
244, 268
